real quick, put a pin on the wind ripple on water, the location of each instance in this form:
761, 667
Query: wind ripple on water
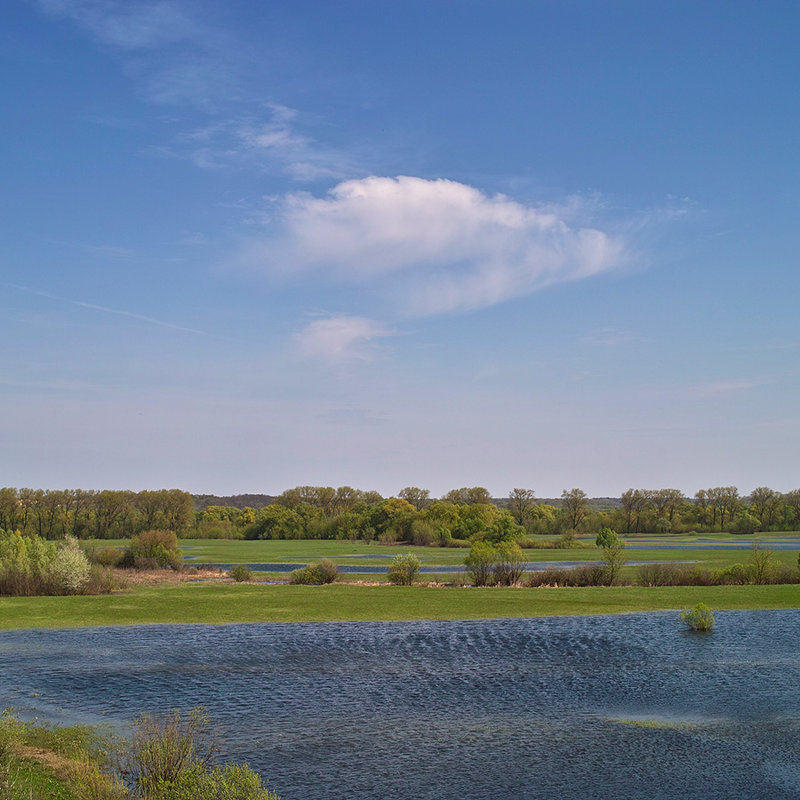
597, 706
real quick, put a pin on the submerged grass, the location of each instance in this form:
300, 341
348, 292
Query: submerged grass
220, 603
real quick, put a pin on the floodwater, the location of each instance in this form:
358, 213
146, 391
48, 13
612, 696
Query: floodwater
441, 569
622, 707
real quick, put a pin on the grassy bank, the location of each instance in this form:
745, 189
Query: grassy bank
166, 757
219, 603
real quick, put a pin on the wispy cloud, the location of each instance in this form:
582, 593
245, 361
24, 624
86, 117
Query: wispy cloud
176, 58
270, 141
131, 24
343, 338
436, 245
106, 310
724, 388
611, 337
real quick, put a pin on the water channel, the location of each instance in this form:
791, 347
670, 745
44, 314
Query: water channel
628, 706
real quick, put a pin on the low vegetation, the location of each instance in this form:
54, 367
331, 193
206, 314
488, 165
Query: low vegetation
699, 618
241, 573
153, 549
30, 565
403, 570
501, 564
166, 758
322, 572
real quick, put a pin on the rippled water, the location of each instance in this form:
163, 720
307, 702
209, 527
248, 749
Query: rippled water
598, 707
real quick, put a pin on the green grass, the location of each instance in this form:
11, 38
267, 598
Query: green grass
218, 603
29, 780
223, 551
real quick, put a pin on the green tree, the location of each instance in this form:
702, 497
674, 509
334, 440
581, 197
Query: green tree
275, 522
613, 557
509, 563
606, 537
502, 528
667, 503
475, 520
480, 563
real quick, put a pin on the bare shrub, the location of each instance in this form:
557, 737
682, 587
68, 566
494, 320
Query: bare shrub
582, 575
105, 556
162, 748
762, 563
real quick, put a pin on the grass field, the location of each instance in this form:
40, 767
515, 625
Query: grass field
223, 551
218, 603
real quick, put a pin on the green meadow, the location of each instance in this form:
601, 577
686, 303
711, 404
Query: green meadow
226, 551
219, 603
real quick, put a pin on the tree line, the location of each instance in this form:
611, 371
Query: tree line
460, 515
88, 514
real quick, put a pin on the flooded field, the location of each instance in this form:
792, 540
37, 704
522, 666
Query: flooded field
629, 706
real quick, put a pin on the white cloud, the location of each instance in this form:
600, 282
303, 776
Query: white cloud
341, 337
436, 245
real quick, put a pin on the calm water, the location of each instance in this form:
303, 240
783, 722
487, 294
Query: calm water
622, 707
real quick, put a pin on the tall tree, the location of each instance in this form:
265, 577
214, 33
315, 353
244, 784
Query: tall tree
667, 502
791, 502
419, 498
10, 510
520, 504
634, 503
469, 496
575, 507
765, 504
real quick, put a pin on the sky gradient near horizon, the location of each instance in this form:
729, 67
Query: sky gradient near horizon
548, 244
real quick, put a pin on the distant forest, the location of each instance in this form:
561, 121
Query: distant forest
413, 516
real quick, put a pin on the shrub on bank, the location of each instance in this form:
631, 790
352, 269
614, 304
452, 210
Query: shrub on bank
732, 575
241, 573
480, 563
30, 565
167, 758
153, 550
105, 556
403, 570
317, 574
582, 575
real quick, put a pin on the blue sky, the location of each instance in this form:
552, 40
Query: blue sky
543, 244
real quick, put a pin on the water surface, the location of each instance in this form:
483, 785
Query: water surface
624, 707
